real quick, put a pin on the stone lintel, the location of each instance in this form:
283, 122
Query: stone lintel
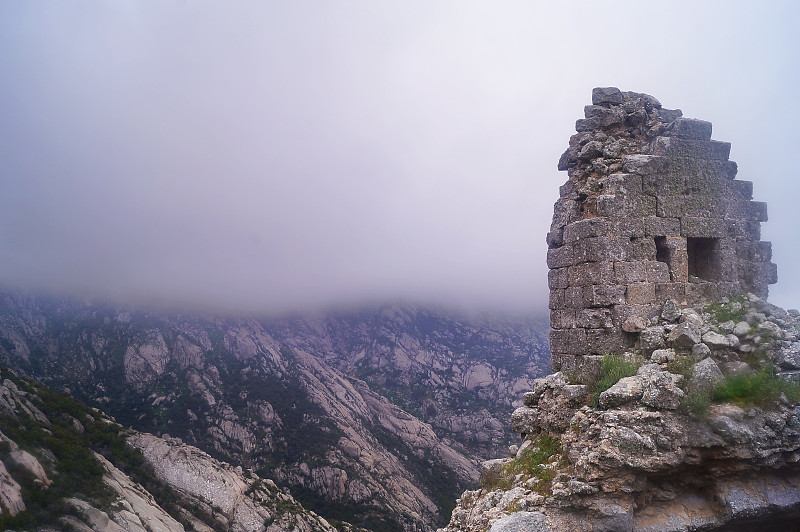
660, 226
703, 227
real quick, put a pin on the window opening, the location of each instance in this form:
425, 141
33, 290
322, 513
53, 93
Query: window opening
662, 252
703, 258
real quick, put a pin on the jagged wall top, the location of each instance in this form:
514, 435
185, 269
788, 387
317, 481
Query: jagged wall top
651, 211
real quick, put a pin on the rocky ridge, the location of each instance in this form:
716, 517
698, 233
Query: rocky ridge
679, 444
459, 375
301, 401
53, 476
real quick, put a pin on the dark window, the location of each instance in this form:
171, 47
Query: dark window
662, 252
703, 258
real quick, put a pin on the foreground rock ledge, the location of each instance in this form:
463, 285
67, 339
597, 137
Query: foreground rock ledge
641, 460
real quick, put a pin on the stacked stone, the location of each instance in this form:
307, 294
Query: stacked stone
651, 212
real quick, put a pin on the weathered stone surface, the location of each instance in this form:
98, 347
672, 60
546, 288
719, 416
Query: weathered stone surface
661, 388
714, 339
684, 335
27, 461
651, 194
670, 311
789, 356
606, 95
10, 493
662, 356
244, 505
700, 351
642, 460
651, 339
520, 522
634, 324
624, 391
705, 376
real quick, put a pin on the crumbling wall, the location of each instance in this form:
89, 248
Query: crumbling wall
651, 211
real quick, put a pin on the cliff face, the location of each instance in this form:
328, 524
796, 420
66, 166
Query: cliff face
286, 397
459, 374
65, 466
702, 434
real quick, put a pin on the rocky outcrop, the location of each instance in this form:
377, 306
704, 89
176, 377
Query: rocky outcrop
700, 437
50, 478
236, 502
458, 373
10, 493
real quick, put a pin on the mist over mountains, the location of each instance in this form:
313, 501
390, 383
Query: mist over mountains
377, 417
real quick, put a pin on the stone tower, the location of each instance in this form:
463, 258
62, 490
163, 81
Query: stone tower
651, 212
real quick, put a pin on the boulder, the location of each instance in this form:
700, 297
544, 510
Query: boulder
714, 339
670, 312
684, 335
705, 376
662, 356
520, 522
661, 388
652, 338
624, 391
700, 351
789, 356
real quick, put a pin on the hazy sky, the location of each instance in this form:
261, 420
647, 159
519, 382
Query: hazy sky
267, 155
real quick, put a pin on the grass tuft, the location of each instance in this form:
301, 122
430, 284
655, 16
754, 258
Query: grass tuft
734, 310
696, 404
757, 388
613, 368
532, 464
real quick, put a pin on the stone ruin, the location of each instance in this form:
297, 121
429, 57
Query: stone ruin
652, 211
651, 228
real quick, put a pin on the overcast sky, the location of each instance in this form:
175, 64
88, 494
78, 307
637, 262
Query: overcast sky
275, 155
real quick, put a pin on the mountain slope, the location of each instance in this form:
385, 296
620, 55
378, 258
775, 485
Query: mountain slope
65, 466
458, 374
282, 397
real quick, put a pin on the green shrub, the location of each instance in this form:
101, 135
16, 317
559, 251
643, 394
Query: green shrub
756, 388
683, 365
532, 464
696, 404
728, 311
613, 368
